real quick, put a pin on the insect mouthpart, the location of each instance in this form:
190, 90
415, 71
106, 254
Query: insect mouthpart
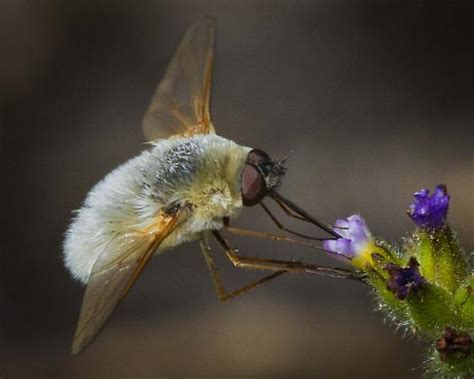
261, 177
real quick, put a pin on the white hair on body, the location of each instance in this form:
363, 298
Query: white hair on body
202, 171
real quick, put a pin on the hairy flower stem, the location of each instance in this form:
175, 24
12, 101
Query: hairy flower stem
425, 285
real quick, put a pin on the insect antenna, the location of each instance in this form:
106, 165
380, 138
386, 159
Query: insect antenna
285, 158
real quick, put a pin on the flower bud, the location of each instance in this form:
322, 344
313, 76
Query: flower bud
403, 281
430, 211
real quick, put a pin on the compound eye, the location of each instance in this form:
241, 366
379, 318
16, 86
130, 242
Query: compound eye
253, 187
257, 156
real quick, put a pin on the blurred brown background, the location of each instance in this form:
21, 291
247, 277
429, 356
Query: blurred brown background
376, 99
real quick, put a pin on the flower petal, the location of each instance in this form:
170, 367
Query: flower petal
355, 237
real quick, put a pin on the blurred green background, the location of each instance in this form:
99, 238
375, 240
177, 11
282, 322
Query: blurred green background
375, 98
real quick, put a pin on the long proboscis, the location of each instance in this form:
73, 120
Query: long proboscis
301, 212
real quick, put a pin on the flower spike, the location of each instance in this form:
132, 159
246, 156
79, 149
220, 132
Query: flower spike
425, 284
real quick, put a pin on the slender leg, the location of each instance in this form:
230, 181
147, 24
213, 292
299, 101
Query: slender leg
216, 278
269, 236
290, 214
301, 212
279, 265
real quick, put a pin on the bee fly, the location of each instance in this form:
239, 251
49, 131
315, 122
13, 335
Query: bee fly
186, 187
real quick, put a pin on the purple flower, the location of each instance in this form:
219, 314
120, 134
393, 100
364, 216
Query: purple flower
355, 238
430, 211
402, 281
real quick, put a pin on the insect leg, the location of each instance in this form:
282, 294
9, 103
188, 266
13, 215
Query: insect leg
288, 211
301, 212
252, 263
217, 281
290, 214
269, 236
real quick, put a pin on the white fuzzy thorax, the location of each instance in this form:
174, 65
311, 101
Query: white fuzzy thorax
201, 172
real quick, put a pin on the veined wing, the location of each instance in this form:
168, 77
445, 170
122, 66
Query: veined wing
114, 273
180, 104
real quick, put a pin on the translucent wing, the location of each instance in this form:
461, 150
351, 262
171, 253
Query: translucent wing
180, 105
114, 273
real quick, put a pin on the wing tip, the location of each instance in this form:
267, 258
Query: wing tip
79, 342
76, 347
209, 19
207, 22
